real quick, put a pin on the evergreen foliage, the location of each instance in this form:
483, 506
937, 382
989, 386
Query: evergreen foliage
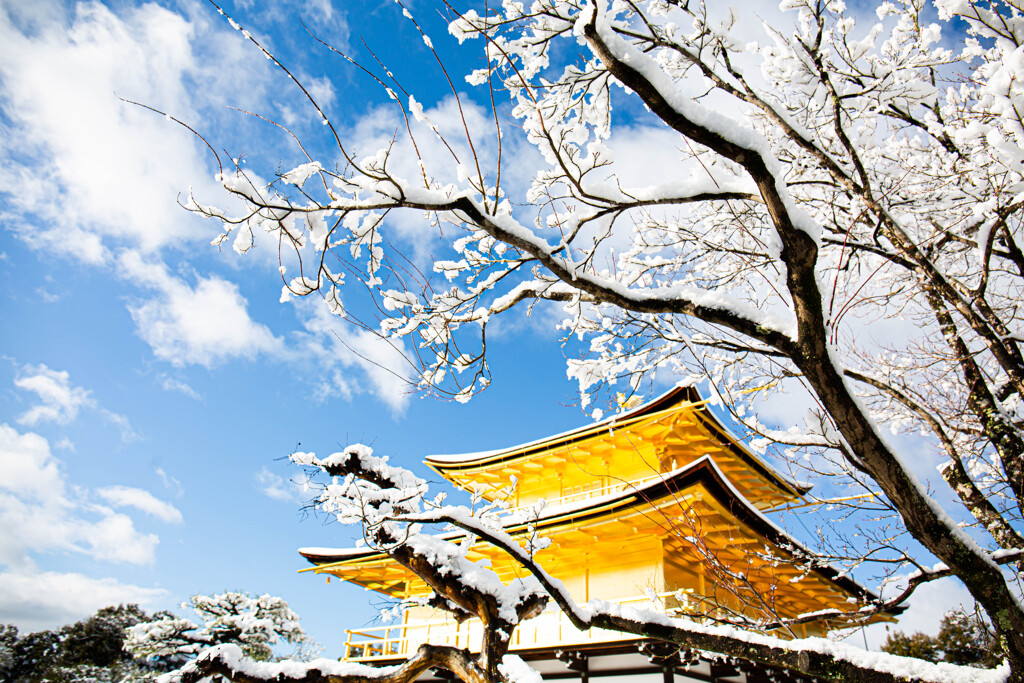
255, 624
123, 644
964, 638
89, 650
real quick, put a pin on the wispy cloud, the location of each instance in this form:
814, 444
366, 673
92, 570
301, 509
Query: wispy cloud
140, 499
47, 297
350, 360
277, 487
170, 483
122, 423
177, 385
59, 401
39, 512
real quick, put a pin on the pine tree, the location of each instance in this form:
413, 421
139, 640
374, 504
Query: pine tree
255, 624
919, 645
90, 650
964, 638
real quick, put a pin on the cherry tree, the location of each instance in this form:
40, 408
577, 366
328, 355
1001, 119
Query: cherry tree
845, 179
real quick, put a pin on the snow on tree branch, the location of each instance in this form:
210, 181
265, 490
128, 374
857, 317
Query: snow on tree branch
818, 657
251, 624
842, 221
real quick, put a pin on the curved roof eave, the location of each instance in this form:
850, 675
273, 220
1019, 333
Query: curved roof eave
443, 464
460, 461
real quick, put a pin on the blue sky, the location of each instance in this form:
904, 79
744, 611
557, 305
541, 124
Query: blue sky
150, 384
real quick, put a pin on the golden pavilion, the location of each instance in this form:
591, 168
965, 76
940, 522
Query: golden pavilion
659, 507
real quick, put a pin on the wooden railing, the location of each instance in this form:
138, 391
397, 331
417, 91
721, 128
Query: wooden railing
577, 493
551, 627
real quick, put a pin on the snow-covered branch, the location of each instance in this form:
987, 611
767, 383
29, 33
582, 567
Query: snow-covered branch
818, 657
229, 661
845, 193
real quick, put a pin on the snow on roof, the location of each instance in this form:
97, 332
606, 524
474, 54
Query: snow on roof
639, 411
672, 397
339, 553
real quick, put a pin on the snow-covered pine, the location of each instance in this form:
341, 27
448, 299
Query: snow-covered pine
255, 624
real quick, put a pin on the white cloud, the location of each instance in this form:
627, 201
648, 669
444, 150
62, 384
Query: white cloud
47, 297
113, 538
28, 467
205, 324
929, 603
34, 600
126, 496
376, 130
40, 513
277, 487
340, 349
97, 180
210, 323
100, 171
322, 91
174, 384
122, 423
324, 15
170, 483
60, 402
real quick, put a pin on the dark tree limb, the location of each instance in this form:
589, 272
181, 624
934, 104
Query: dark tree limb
955, 474
217, 662
811, 354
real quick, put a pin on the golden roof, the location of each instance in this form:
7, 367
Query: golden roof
659, 498
660, 436
692, 519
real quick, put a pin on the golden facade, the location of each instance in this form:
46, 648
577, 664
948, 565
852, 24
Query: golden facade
658, 507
